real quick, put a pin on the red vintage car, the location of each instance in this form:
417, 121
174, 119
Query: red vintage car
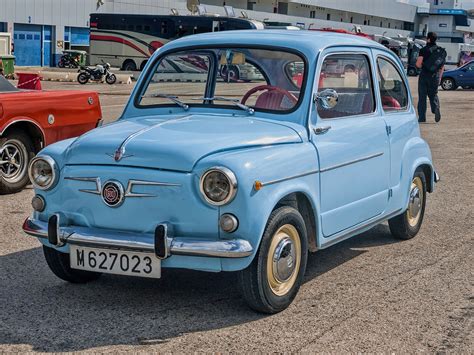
31, 120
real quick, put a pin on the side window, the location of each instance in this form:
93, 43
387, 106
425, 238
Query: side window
349, 75
393, 91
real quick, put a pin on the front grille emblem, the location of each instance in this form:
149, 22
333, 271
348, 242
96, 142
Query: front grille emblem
113, 193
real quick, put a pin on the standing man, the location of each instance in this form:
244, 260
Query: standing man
431, 62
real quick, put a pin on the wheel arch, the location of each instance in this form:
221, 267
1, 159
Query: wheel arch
31, 128
302, 202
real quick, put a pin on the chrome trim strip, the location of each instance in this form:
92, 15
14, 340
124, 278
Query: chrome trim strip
90, 237
120, 152
131, 183
351, 231
358, 160
128, 191
271, 182
96, 180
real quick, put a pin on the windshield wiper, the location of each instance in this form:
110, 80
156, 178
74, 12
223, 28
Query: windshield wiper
236, 102
172, 98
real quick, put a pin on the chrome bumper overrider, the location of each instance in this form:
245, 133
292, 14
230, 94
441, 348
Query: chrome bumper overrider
100, 238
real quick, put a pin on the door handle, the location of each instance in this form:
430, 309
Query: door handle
321, 130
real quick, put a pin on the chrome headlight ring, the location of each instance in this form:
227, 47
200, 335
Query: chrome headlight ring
231, 181
54, 172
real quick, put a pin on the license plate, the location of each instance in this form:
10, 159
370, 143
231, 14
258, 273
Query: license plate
115, 262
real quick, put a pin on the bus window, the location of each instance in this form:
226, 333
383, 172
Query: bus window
131, 28
139, 28
147, 28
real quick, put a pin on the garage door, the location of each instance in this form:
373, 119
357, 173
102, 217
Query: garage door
27, 41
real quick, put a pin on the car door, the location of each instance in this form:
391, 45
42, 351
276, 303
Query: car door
398, 111
351, 141
466, 75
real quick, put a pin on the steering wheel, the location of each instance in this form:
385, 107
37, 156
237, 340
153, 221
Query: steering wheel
269, 88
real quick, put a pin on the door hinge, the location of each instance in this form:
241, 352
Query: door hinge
390, 193
389, 130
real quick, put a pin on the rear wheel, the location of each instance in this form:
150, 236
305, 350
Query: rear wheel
448, 84
272, 280
16, 152
82, 78
61, 64
129, 65
59, 264
407, 225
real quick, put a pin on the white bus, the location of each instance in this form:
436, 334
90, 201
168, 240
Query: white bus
127, 41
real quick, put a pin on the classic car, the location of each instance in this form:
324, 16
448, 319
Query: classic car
240, 177
30, 120
462, 76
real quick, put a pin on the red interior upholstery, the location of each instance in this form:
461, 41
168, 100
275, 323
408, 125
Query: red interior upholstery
270, 100
389, 102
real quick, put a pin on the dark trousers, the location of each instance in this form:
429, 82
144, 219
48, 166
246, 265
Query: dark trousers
427, 86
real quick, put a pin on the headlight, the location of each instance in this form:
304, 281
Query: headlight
218, 186
43, 172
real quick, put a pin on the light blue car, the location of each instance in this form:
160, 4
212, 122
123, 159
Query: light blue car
205, 174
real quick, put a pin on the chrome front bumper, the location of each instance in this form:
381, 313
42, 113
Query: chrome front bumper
162, 244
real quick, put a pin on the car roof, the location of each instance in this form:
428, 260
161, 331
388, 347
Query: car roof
308, 42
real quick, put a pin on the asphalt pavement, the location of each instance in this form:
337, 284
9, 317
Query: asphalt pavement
371, 293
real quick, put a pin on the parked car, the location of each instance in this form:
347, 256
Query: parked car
239, 177
30, 120
462, 76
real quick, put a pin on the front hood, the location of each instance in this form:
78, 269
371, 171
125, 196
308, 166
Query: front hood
175, 143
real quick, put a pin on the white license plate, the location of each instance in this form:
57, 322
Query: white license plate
115, 262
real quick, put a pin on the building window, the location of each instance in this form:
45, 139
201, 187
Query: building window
368, 22
381, 23
328, 17
365, 22
250, 5
312, 14
389, 25
352, 19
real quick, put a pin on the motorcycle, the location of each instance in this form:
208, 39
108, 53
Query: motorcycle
96, 73
68, 61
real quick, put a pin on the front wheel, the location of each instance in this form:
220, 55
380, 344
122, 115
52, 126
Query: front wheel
111, 79
270, 283
82, 78
448, 84
59, 264
16, 152
407, 224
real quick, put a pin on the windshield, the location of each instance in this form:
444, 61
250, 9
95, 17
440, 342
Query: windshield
249, 79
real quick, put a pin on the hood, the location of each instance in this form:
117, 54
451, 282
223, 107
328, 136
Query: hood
176, 143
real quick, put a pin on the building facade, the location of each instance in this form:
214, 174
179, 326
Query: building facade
42, 29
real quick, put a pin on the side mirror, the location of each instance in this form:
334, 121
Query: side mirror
326, 99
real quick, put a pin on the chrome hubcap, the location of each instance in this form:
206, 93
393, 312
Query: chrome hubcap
11, 161
415, 201
447, 84
284, 260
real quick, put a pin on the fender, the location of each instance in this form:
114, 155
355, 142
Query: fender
283, 169
16, 120
415, 147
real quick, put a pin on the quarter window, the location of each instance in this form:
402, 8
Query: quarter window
393, 92
349, 75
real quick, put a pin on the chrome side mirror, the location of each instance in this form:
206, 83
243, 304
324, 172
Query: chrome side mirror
326, 99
